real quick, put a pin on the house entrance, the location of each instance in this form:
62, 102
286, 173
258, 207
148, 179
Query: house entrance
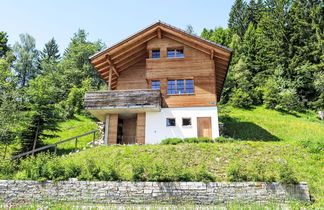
126, 130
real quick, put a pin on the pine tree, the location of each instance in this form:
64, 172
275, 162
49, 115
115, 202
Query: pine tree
75, 65
4, 48
238, 18
50, 52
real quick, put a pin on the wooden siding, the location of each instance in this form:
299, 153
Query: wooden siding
140, 128
117, 60
112, 131
133, 77
195, 65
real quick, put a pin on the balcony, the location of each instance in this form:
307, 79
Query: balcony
101, 103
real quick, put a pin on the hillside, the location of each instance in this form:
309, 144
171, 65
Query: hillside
276, 147
262, 124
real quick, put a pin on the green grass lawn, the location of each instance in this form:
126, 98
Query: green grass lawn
262, 124
71, 128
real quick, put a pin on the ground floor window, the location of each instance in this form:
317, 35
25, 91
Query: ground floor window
170, 122
186, 121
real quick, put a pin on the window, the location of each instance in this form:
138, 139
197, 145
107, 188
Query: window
170, 122
155, 84
171, 87
181, 86
175, 53
189, 86
186, 121
155, 53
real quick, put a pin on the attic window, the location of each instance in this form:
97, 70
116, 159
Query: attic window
175, 53
156, 53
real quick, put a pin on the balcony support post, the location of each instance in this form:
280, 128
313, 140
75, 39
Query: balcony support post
110, 78
106, 129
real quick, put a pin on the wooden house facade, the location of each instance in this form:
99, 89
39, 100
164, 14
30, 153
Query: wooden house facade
162, 83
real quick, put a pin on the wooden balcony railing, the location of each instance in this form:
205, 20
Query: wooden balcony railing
123, 98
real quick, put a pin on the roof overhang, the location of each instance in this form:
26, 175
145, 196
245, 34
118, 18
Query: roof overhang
117, 58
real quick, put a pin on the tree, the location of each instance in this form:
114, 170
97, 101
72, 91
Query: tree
42, 113
238, 19
50, 52
9, 106
4, 48
190, 30
75, 65
26, 64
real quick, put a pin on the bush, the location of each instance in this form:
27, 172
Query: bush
241, 99
315, 147
173, 141
287, 174
205, 139
191, 140
222, 139
7, 168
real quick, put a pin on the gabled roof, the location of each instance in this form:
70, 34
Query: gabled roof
131, 50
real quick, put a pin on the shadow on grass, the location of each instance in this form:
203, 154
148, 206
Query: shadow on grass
247, 131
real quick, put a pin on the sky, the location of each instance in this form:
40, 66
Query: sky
107, 20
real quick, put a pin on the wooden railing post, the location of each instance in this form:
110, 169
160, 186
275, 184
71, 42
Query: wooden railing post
76, 144
94, 138
55, 149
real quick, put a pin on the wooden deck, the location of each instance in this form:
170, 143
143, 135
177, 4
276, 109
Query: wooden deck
122, 98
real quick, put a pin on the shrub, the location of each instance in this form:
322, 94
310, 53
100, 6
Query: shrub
241, 99
236, 173
313, 146
191, 140
287, 174
138, 172
7, 168
205, 139
222, 139
173, 141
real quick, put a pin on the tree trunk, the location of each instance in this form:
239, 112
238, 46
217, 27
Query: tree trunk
36, 137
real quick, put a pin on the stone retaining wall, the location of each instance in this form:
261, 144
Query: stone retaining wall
151, 192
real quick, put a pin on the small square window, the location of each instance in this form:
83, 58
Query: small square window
156, 84
155, 53
186, 121
170, 122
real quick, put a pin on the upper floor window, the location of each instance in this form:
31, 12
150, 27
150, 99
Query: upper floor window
156, 53
181, 86
155, 84
175, 53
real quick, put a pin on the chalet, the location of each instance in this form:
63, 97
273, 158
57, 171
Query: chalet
162, 83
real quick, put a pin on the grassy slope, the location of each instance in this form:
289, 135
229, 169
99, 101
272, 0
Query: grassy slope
269, 125
275, 138
71, 128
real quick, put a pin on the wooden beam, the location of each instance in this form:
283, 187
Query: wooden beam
111, 65
134, 58
211, 54
130, 54
109, 81
159, 33
123, 68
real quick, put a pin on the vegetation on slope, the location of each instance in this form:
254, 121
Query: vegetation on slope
78, 125
260, 124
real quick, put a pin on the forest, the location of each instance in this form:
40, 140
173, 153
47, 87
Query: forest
278, 61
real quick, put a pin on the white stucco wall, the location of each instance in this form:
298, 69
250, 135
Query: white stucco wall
156, 129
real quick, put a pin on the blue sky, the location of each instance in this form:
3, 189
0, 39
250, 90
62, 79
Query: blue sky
110, 21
